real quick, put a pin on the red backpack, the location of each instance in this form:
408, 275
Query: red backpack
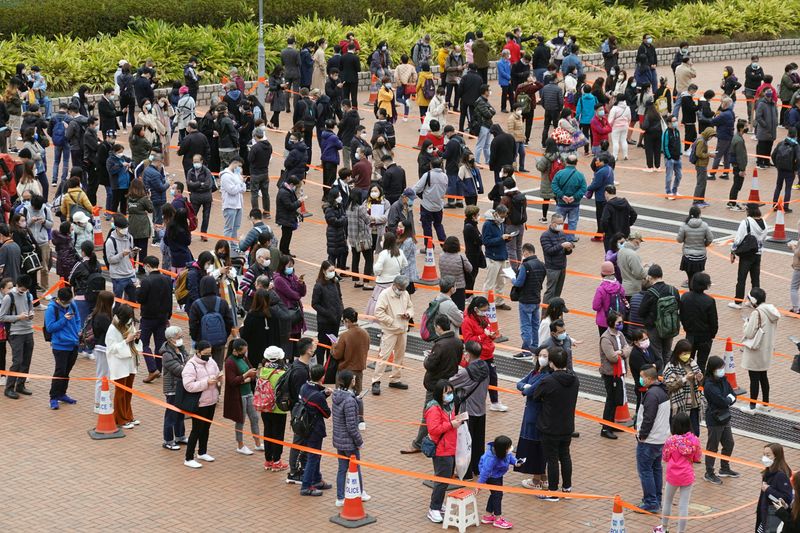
191, 216
264, 395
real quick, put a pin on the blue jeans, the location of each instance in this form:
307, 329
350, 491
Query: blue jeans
173, 422
521, 155
648, 464
341, 474
571, 214
61, 156
539, 73
311, 475
158, 218
484, 142
529, 325
233, 220
673, 166
124, 288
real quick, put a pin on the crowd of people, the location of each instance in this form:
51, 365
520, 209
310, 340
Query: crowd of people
245, 303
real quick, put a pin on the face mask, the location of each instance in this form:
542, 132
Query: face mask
684, 357
388, 86
633, 84
375, 195
410, 204
26, 203
561, 34
561, 336
197, 166
644, 344
430, 150
719, 373
752, 300
754, 65
649, 40
397, 292
152, 157
480, 313
448, 398
383, 48
123, 231
519, 112
364, 135
330, 274
674, 124
612, 72
558, 227
543, 362
289, 271
179, 342
205, 357
148, 107
684, 51
768, 94
766, 461
357, 157
237, 170
619, 326
641, 382
338, 199
264, 263
600, 112
621, 244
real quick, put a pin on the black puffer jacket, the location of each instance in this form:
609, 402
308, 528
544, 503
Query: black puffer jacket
336, 232
327, 302
286, 207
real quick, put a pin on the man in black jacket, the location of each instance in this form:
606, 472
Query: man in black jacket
299, 374
107, 110
753, 77
393, 179
351, 66
228, 136
517, 206
194, 143
699, 318
207, 126
305, 113
552, 100
454, 149
661, 346
259, 156
502, 150
441, 363
105, 149
290, 59
155, 297
688, 109
333, 90
555, 249
618, 216
287, 211
529, 281
470, 90
520, 71
347, 129
143, 87
558, 393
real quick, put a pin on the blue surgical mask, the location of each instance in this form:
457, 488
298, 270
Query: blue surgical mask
448, 398
719, 373
561, 336
619, 326
641, 382
289, 271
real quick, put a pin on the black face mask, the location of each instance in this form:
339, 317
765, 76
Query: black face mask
204, 357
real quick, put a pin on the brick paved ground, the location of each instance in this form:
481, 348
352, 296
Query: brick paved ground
55, 477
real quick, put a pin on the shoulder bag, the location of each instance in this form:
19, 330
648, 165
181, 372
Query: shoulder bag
755, 342
185, 400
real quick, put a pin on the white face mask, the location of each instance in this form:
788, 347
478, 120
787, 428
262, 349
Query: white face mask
766, 461
197, 166
543, 362
123, 231
752, 300
338, 199
719, 373
397, 291
148, 107
430, 149
375, 195
364, 135
179, 342
330, 274
209, 269
264, 262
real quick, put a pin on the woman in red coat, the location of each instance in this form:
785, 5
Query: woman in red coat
442, 422
476, 328
239, 394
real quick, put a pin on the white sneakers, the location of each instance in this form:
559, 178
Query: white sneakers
365, 497
498, 407
192, 464
435, 516
259, 448
734, 305
244, 450
339, 503
129, 425
205, 457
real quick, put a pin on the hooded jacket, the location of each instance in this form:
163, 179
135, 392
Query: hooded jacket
766, 119
696, 236
701, 148
491, 466
443, 360
618, 217
173, 359
766, 317
346, 436
295, 162
195, 376
603, 297
631, 268
209, 297
473, 379
439, 421
64, 330
331, 144
558, 393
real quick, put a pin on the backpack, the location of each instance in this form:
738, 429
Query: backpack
302, 418
668, 322
48, 335
264, 395
86, 336
126, 86
661, 105
524, 101
283, 396
59, 131
191, 215
94, 284
212, 325
182, 287
77, 208
426, 330
113, 242
783, 156
618, 304
309, 115
693, 152
429, 89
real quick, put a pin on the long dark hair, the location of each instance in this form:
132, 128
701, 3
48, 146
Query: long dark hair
682, 346
261, 303
555, 309
438, 390
222, 243
474, 304
104, 305
178, 224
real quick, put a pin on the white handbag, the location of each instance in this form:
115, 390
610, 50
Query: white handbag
755, 342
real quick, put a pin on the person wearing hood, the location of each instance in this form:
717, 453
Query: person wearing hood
201, 374
173, 358
618, 217
209, 300
287, 206
296, 162
696, 237
766, 122
558, 394
609, 296
347, 440
232, 186
471, 381
185, 111
330, 145
233, 100
699, 317
701, 166
652, 422
748, 251
759, 331
786, 158
227, 135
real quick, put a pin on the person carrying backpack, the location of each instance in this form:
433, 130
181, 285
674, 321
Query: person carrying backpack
660, 312
314, 399
211, 319
62, 323
289, 386
273, 417
57, 131
86, 279
786, 158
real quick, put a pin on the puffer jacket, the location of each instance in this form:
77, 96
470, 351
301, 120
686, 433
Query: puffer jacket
326, 300
336, 231
438, 420
701, 149
195, 376
155, 182
516, 127
474, 381
619, 118
483, 112
200, 182
138, 219
173, 359
766, 120
695, 236
346, 436
603, 297
492, 466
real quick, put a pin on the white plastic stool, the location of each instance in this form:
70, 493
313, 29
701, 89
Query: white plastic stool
462, 518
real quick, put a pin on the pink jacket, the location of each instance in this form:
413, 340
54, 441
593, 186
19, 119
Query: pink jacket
619, 118
680, 452
196, 374
602, 300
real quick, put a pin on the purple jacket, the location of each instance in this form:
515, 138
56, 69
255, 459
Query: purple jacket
291, 291
603, 297
331, 144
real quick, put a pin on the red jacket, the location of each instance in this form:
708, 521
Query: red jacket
515, 50
472, 329
600, 129
440, 429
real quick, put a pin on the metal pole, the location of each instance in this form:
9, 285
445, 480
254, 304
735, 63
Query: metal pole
261, 91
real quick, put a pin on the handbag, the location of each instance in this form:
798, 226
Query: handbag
270, 97
409, 89
796, 363
755, 342
31, 262
428, 447
185, 400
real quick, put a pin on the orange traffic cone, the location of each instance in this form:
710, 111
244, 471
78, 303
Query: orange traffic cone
730, 368
617, 518
373, 90
352, 514
754, 194
106, 428
623, 415
429, 274
779, 233
491, 314
98, 229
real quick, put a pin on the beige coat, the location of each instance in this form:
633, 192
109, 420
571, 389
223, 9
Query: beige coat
390, 307
760, 358
320, 65
405, 74
684, 75
516, 127
153, 126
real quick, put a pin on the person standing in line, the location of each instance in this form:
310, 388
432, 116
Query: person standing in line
118, 249
758, 353
442, 424
200, 183
652, 422
654, 314
63, 323
701, 154
682, 378
516, 220
271, 370
290, 59
696, 237
473, 241
719, 399
393, 312
259, 157
530, 444
287, 211
201, 374
603, 177
101, 317
699, 318
472, 382
174, 357
315, 396
766, 122
326, 299
495, 241
738, 152
346, 435
775, 483
155, 297
672, 148
614, 357
17, 311
432, 187
555, 249
530, 277
232, 186
569, 188
747, 246
753, 77
122, 349
238, 399
724, 122
681, 450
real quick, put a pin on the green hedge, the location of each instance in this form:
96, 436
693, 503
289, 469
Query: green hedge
70, 61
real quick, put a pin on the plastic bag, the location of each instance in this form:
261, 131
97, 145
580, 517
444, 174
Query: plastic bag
463, 450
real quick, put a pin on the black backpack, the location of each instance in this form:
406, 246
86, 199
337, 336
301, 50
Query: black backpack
303, 417
784, 156
283, 395
94, 284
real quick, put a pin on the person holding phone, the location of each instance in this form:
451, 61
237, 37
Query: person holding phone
789, 513
62, 322
493, 466
201, 374
239, 395
17, 309
775, 486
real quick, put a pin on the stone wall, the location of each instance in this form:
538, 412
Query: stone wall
627, 60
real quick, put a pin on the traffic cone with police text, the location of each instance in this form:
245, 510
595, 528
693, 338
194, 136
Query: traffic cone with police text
352, 514
617, 518
98, 229
491, 315
730, 368
754, 195
429, 274
106, 428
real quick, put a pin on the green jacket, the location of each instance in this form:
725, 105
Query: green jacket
739, 152
480, 53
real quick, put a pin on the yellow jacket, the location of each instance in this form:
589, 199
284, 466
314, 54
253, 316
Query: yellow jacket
442, 57
423, 75
385, 100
